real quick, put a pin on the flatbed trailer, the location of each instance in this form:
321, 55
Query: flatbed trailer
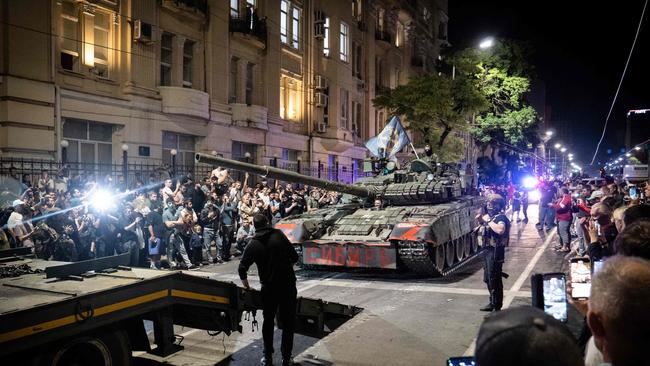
98, 318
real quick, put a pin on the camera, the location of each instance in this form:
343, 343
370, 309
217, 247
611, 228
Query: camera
549, 294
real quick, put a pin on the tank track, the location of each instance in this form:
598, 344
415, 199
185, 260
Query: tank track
417, 258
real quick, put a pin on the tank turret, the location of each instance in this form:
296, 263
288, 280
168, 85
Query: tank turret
288, 176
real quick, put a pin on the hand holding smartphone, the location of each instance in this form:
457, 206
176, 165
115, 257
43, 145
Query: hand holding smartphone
549, 294
580, 272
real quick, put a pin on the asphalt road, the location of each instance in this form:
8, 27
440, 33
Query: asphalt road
407, 320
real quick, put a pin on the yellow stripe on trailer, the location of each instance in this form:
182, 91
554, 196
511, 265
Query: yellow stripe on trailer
71, 319
199, 296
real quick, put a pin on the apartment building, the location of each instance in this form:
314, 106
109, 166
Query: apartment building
279, 81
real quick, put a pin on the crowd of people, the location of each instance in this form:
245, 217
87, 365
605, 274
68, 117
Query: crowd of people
607, 223
180, 223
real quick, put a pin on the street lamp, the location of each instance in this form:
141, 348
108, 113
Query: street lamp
173, 152
558, 146
486, 43
549, 133
125, 166
64, 151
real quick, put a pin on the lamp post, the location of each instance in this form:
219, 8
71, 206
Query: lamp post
486, 43
173, 153
547, 136
64, 151
125, 166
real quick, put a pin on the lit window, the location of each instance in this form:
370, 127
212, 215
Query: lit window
290, 100
399, 37
70, 36
102, 31
343, 50
380, 19
234, 9
356, 10
188, 53
326, 37
295, 28
166, 59
284, 9
345, 112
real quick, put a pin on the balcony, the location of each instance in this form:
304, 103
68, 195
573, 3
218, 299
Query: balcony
196, 9
189, 102
251, 29
382, 36
249, 115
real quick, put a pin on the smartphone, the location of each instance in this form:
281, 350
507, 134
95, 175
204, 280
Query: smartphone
580, 272
633, 193
461, 361
598, 265
554, 295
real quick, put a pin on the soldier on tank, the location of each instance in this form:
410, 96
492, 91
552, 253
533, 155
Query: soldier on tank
493, 235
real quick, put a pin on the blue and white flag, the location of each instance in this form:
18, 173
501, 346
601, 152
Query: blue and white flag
390, 140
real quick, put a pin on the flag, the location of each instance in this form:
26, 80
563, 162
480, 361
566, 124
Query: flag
391, 140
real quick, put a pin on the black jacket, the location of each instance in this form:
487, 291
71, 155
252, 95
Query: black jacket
274, 256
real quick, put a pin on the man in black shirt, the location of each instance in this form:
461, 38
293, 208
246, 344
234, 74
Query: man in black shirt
494, 234
274, 256
546, 214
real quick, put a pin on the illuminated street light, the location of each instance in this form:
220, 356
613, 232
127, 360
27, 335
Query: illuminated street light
628, 155
557, 146
563, 149
570, 155
549, 133
637, 148
486, 43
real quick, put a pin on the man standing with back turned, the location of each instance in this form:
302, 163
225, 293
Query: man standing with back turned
274, 256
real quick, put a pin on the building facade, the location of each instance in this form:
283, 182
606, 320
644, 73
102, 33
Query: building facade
275, 81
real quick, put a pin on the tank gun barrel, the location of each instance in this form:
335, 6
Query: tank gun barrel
281, 174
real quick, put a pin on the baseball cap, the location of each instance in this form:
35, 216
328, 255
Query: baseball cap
525, 336
16, 203
595, 194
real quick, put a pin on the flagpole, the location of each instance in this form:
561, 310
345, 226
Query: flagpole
413, 147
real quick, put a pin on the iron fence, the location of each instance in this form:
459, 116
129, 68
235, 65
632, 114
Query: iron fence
31, 169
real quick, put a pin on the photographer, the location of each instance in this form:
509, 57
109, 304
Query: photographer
601, 231
494, 232
210, 218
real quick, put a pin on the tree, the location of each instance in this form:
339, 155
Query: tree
503, 76
436, 105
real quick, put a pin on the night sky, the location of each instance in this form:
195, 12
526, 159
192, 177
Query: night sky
580, 52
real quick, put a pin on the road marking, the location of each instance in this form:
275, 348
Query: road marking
520, 281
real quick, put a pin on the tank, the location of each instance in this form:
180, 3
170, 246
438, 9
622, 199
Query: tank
421, 223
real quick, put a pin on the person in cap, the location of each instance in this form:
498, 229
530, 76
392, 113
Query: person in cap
525, 336
494, 233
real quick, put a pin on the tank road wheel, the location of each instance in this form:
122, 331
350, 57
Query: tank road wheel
450, 252
473, 240
439, 257
459, 245
468, 244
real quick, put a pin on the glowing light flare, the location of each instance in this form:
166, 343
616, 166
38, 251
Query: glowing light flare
529, 182
102, 200
534, 195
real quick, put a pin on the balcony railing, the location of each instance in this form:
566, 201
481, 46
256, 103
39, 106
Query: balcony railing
250, 26
382, 36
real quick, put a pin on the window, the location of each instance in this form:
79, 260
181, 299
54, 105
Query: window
379, 72
234, 9
188, 52
399, 37
442, 30
289, 27
239, 151
345, 112
333, 168
380, 19
357, 60
250, 68
356, 110
102, 31
232, 83
290, 100
326, 109
90, 143
166, 59
70, 36
284, 9
326, 37
356, 10
184, 145
344, 47
295, 28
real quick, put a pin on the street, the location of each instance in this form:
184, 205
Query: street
406, 319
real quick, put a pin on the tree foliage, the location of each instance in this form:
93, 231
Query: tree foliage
435, 106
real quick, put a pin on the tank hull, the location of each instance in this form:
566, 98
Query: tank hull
430, 240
